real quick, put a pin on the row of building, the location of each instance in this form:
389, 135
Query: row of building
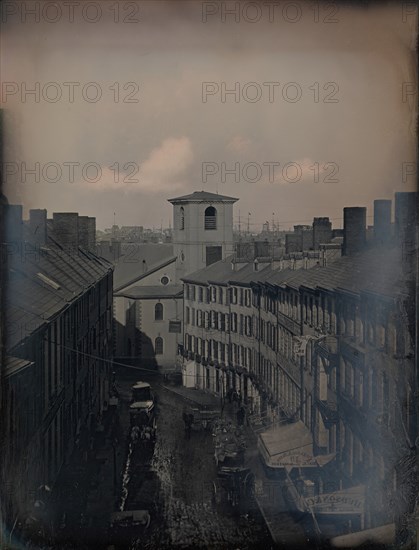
324, 358
56, 348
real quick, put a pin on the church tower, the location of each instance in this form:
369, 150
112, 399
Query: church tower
202, 230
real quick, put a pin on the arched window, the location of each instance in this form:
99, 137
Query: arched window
158, 312
158, 346
182, 218
210, 218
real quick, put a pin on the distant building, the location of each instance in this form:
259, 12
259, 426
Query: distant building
148, 293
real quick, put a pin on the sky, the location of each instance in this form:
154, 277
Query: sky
131, 107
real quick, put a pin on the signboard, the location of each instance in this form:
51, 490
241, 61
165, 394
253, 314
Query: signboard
175, 326
350, 501
291, 458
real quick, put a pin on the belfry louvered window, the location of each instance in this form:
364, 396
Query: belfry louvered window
210, 218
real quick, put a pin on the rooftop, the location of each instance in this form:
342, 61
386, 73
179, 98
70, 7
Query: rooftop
376, 270
203, 196
42, 283
152, 292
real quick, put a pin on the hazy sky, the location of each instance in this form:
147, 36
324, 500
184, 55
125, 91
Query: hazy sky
333, 114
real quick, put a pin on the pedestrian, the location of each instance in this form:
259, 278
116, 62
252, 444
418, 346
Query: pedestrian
240, 416
230, 394
239, 398
188, 420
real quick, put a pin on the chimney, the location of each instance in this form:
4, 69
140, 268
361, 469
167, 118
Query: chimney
38, 226
354, 229
406, 215
406, 221
322, 232
91, 231
13, 223
66, 229
382, 221
83, 232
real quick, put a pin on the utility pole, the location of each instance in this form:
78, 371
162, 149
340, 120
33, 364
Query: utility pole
239, 224
248, 223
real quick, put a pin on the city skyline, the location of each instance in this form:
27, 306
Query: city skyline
307, 121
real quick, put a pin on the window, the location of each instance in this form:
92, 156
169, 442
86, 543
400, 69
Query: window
188, 316
158, 346
158, 312
210, 218
220, 295
182, 218
164, 280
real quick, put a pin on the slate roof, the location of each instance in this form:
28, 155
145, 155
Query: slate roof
203, 196
374, 270
42, 282
130, 267
219, 273
152, 292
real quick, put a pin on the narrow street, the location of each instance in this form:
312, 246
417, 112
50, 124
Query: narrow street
171, 477
175, 482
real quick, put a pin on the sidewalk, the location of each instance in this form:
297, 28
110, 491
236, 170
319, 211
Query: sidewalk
283, 529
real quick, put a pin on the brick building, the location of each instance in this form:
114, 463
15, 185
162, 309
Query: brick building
56, 354
324, 357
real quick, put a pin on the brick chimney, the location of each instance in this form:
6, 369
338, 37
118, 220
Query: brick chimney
322, 232
406, 221
354, 229
38, 226
66, 229
382, 221
13, 223
91, 230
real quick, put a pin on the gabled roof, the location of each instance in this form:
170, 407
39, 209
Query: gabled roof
137, 275
202, 196
42, 283
138, 259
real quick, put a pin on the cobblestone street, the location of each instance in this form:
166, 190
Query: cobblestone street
172, 477
184, 471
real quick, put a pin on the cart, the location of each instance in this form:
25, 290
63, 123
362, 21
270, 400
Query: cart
142, 407
234, 485
201, 419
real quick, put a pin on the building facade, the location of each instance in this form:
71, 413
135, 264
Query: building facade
57, 357
328, 353
148, 308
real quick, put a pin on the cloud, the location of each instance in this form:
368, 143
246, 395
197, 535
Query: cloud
163, 170
239, 144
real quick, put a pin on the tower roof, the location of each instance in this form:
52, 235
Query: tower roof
202, 196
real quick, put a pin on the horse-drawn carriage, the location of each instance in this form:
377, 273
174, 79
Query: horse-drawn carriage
142, 411
235, 483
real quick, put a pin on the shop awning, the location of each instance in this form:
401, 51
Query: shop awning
290, 446
385, 534
346, 501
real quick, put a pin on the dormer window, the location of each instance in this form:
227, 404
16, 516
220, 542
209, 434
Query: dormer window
210, 218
